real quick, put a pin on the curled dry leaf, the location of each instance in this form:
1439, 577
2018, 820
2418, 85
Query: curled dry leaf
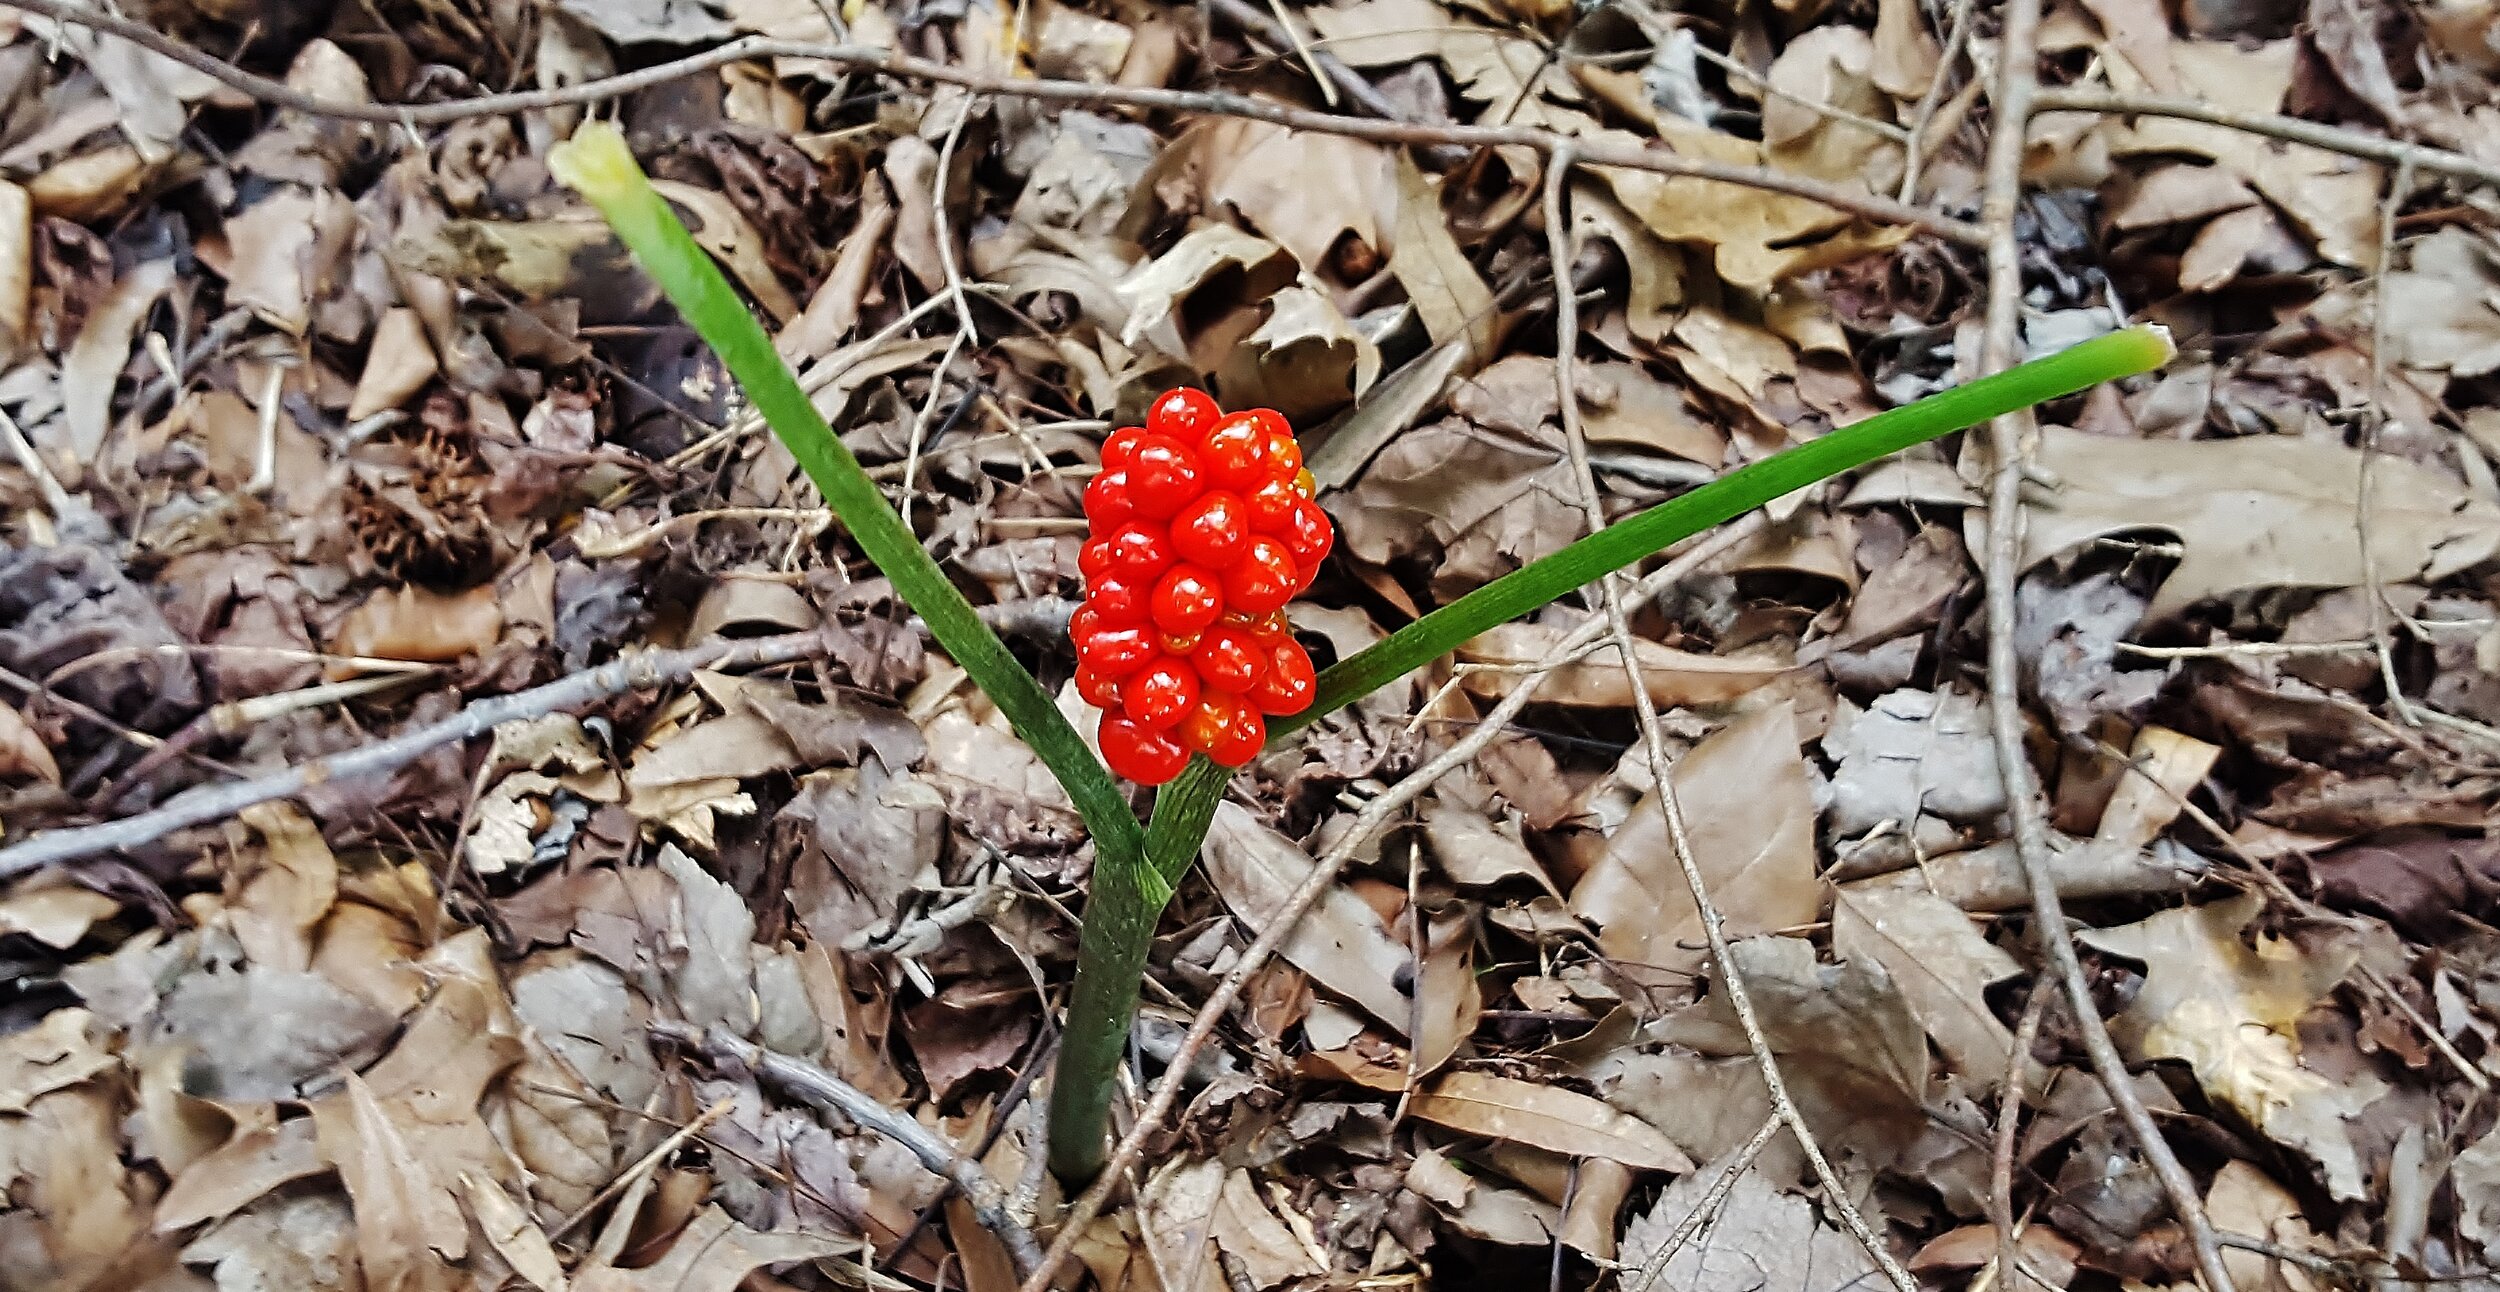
23, 753
1341, 942
1546, 1117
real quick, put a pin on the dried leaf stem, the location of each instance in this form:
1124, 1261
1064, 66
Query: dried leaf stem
1654, 744
2012, 100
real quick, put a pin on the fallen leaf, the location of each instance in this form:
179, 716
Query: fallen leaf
262, 1033
1910, 753
1246, 1229
282, 252
1942, 966
1758, 861
713, 1254
74, 1206
53, 912
1546, 1117
714, 983
17, 270
295, 1240
1758, 1237
666, 22
1673, 678
412, 623
2229, 1010
2255, 512
254, 1161
2243, 1201
1448, 293
95, 361
54, 1054
1341, 942
286, 890
398, 364
508, 1230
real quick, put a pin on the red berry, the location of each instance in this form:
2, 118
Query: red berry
1085, 622
1229, 659
1138, 552
1308, 535
1100, 690
1211, 530
1163, 477
1289, 684
1116, 603
1146, 757
1121, 448
1270, 506
1093, 560
1161, 694
1263, 579
1186, 600
1284, 456
1180, 643
1116, 652
1235, 453
1184, 414
1225, 728
1107, 504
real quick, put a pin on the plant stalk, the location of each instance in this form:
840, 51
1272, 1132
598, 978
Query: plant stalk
1121, 909
2118, 354
596, 162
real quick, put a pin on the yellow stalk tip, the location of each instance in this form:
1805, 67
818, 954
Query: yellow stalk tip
595, 162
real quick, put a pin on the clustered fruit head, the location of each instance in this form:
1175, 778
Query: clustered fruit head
1202, 527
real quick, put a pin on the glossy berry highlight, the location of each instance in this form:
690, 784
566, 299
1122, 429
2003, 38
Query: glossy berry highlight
1199, 530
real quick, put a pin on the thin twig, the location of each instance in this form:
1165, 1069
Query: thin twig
1654, 744
1374, 817
2374, 423
1710, 1199
820, 1089
954, 293
634, 671
2011, 105
2010, 1116
659, 1153
887, 62
2351, 143
1925, 113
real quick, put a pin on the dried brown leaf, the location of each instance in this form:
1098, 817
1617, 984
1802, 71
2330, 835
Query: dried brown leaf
2258, 511
1546, 1117
411, 623
1749, 815
1341, 942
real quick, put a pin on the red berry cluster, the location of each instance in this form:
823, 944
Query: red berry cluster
1202, 528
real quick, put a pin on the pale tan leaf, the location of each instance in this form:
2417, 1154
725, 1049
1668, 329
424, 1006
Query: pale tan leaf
720, 228
52, 912
95, 360
288, 890
2243, 1201
1749, 815
1940, 963
17, 270
1546, 1117
1265, 1245
509, 1230
2164, 768
1443, 284
412, 623
399, 364
1672, 677
54, 1054
2230, 1010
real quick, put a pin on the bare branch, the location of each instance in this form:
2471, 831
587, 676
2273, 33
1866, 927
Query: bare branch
817, 1088
1211, 103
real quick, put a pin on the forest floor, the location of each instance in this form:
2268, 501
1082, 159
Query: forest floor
470, 815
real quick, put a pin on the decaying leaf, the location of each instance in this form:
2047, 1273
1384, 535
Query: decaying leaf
2228, 1008
1341, 943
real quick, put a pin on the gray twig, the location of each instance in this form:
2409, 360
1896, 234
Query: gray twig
817, 1088
2012, 100
643, 668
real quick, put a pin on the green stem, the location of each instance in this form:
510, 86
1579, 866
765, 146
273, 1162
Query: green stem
596, 162
2104, 358
1120, 913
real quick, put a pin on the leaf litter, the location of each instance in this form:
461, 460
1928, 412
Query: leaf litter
330, 428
